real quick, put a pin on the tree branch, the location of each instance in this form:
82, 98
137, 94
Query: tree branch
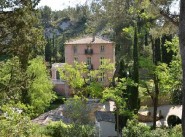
174, 19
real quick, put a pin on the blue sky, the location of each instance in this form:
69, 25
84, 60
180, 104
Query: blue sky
61, 4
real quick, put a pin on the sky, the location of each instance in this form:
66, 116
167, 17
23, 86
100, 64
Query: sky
61, 4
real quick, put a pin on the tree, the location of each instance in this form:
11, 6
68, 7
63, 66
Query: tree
74, 75
170, 74
11, 81
46, 16
182, 51
77, 111
19, 36
180, 23
80, 78
37, 93
116, 94
15, 123
40, 89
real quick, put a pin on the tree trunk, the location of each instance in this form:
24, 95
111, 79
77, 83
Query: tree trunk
182, 50
134, 105
155, 101
156, 58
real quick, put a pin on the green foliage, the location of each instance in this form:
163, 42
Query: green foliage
10, 81
146, 63
14, 123
45, 13
73, 74
95, 89
136, 129
107, 68
84, 81
116, 94
20, 36
40, 89
77, 110
176, 131
35, 84
170, 76
59, 129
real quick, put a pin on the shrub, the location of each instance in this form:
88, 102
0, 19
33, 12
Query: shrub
77, 110
15, 124
136, 129
176, 131
60, 129
159, 133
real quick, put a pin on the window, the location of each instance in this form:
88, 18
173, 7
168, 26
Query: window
102, 77
102, 48
88, 50
75, 49
57, 75
101, 60
88, 60
90, 78
76, 59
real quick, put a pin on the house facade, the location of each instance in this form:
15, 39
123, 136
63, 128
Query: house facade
60, 85
90, 50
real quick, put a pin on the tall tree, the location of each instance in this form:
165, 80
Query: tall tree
46, 16
19, 34
182, 51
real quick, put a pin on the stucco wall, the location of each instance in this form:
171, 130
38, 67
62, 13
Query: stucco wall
106, 129
109, 53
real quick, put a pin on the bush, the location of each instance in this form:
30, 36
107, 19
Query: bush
59, 100
136, 129
77, 111
159, 133
60, 129
176, 131
16, 124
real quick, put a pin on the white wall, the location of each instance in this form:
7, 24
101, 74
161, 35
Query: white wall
107, 129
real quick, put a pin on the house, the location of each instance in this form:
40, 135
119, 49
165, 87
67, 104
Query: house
92, 51
105, 123
60, 85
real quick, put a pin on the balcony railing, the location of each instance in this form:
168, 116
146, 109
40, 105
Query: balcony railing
89, 51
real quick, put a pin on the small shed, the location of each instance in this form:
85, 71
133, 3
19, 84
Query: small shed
105, 122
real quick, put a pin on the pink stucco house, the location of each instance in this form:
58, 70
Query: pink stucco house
91, 50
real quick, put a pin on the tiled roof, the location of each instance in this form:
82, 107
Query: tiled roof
105, 116
88, 40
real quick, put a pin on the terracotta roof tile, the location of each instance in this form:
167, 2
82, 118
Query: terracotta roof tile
88, 40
